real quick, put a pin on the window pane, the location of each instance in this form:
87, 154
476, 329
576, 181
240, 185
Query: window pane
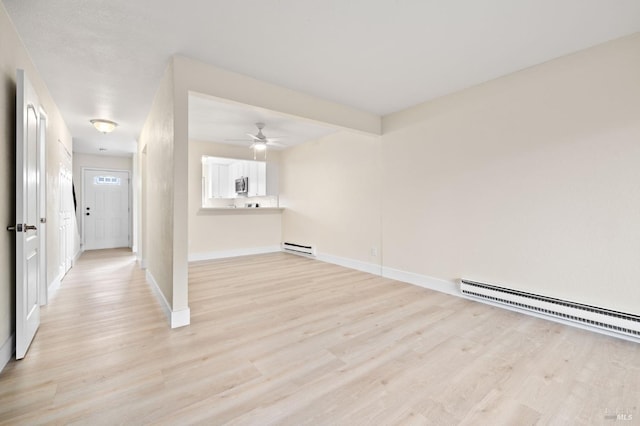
106, 180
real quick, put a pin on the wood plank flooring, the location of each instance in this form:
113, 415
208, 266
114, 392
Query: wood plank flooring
282, 339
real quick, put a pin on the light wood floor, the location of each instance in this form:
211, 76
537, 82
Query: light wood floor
281, 339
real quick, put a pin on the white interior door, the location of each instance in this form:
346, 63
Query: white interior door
27, 233
105, 209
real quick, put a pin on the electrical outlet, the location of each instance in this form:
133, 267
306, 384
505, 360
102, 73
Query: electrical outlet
374, 251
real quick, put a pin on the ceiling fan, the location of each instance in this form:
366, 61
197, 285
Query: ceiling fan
260, 141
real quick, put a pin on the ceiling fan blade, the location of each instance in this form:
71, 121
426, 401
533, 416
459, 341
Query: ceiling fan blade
279, 145
254, 137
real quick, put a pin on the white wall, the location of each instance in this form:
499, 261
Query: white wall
528, 181
525, 181
13, 55
219, 233
82, 161
156, 145
331, 191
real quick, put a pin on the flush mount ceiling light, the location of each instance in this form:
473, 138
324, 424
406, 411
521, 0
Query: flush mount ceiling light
104, 126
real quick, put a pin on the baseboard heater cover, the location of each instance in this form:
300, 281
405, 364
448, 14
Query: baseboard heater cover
299, 249
618, 322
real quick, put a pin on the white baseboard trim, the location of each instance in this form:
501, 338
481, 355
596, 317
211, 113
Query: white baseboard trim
53, 288
371, 268
180, 318
143, 263
176, 318
222, 254
158, 294
437, 284
424, 281
76, 257
6, 351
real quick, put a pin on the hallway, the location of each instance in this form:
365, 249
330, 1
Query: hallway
86, 348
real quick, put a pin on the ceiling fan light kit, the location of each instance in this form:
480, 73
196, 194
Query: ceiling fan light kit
259, 147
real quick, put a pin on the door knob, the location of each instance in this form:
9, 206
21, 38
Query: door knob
20, 227
88, 214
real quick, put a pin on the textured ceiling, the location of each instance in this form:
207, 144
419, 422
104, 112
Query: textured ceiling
106, 58
214, 120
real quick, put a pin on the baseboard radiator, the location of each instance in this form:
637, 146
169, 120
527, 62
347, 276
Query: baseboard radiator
612, 321
299, 249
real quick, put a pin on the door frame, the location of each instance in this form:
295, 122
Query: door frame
129, 200
66, 230
42, 206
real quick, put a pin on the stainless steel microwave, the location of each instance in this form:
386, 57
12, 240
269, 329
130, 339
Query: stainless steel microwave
242, 185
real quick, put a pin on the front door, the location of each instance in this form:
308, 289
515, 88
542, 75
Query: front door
105, 209
27, 233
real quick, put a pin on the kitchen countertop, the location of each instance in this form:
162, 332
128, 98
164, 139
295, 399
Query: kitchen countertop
241, 209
